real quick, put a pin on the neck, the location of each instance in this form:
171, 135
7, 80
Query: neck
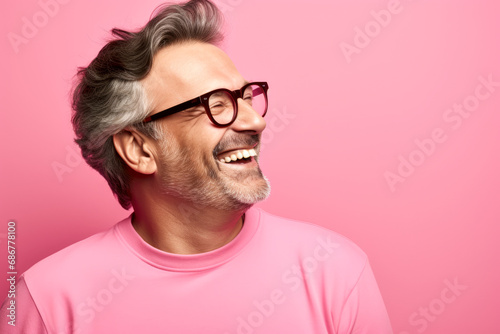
181, 227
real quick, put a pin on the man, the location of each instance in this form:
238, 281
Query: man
166, 118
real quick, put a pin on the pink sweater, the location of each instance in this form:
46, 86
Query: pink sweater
277, 276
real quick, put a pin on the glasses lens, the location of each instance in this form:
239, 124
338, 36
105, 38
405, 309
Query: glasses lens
255, 96
221, 106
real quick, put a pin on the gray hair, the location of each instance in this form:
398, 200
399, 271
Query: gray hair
109, 97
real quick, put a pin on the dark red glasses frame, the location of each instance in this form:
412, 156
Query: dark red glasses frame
203, 100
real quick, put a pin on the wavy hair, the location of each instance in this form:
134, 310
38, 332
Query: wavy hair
108, 96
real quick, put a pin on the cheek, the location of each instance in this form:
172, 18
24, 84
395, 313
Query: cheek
195, 139
203, 141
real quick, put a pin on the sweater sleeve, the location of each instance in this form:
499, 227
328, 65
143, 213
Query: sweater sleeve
364, 311
27, 318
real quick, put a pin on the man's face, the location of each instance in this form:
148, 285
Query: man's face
190, 155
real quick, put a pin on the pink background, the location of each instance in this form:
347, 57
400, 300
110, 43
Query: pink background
337, 124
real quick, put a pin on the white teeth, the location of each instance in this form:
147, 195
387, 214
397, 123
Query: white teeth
238, 155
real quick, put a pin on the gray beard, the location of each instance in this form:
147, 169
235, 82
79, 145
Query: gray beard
209, 189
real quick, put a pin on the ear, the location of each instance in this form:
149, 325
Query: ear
135, 150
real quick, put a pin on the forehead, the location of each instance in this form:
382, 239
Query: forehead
186, 70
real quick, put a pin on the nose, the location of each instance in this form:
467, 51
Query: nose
248, 119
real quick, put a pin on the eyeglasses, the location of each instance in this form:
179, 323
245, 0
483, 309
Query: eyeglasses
221, 104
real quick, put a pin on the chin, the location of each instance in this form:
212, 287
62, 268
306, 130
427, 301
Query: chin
246, 198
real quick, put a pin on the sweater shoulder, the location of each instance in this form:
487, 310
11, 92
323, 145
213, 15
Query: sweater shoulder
309, 234
76, 259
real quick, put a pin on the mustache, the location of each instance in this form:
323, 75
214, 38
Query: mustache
236, 141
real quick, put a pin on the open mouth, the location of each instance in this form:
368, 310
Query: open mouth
237, 156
